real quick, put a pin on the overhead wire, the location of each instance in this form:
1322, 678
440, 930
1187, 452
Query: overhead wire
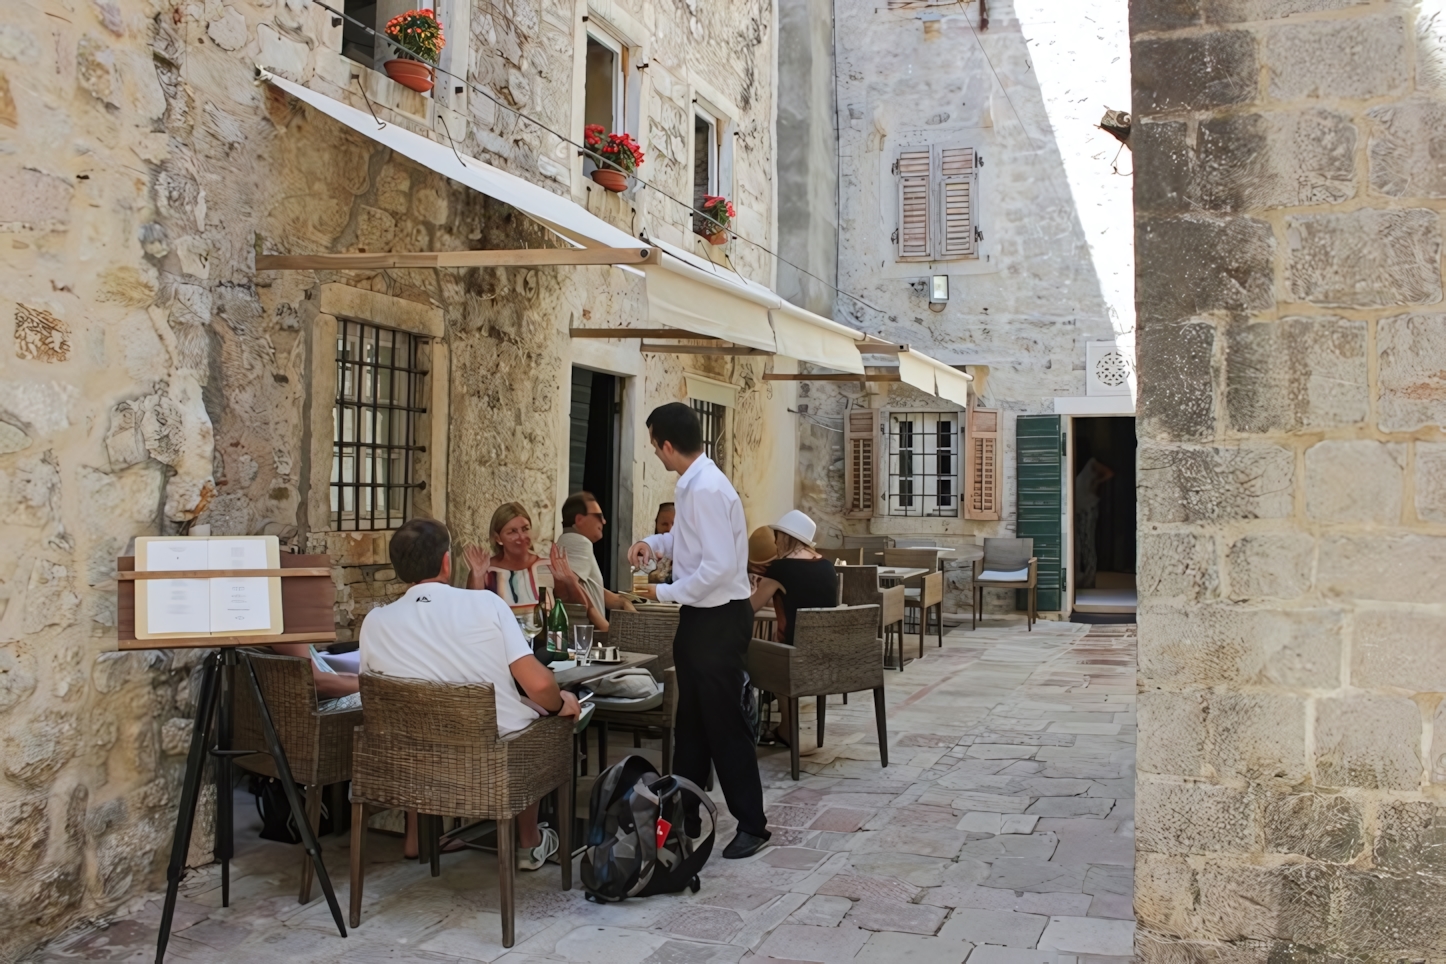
596, 157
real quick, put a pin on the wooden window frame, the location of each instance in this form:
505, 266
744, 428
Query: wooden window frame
861, 462
936, 187
922, 499
982, 451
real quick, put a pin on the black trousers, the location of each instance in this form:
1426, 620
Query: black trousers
710, 653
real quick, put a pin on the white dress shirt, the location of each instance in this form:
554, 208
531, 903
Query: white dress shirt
709, 541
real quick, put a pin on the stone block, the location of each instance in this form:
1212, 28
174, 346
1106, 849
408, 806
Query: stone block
1225, 72
913, 949
1314, 825
1352, 58
1411, 837
1400, 649
1092, 936
1412, 372
1176, 362
1355, 481
1163, 886
1177, 565
1430, 479
890, 915
1195, 264
822, 911
1164, 166
1258, 736
1249, 481
1243, 902
1194, 818
1274, 565
1402, 148
1239, 11
1383, 913
24, 832
798, 942
1365, 259
1000, 927
1279, 159
1368, 741
1151, 15
1296, 373
1390, 568
1035, 875
1225, 645
1438, 744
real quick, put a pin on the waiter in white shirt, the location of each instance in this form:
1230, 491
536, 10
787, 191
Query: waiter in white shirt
709, 549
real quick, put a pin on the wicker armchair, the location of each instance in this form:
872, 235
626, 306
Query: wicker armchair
648, 632
1007, 564
833, 651
849, 557
433, 748
861, 588
317, 742
930, 595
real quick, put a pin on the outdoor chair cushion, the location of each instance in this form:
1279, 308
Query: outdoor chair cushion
991, 575
624, 705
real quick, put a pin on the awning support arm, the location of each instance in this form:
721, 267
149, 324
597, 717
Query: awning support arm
674, 333
700, 349
870, 377
507, 257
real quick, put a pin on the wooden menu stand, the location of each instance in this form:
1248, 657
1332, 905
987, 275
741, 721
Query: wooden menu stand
307, 595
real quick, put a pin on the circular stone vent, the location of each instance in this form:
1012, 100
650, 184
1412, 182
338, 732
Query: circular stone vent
1112, 369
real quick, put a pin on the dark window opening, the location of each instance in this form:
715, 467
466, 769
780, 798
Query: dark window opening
714, 419
593, 453
600, 94
705, 167
356, 43
375, 424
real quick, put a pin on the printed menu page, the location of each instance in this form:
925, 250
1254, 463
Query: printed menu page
200, 607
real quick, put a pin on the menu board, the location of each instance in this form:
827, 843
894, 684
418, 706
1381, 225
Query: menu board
228, 605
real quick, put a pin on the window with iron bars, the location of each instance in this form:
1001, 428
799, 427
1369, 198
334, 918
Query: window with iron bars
375, 422
714, 419
924, 464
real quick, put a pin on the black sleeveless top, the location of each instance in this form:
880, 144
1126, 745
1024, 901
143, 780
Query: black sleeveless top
807, 584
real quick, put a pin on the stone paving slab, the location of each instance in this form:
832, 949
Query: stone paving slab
1002, 834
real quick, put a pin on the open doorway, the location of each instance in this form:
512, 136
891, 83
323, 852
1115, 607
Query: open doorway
1103, 497
593, 453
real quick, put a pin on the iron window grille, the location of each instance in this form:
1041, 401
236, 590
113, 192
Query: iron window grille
375, 423
924, 464
714, 419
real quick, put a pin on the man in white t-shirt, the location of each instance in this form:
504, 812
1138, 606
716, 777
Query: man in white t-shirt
440, 633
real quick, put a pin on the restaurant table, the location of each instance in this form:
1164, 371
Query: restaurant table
897, 574
572, 674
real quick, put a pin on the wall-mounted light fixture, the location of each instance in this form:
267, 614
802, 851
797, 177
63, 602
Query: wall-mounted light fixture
938, 292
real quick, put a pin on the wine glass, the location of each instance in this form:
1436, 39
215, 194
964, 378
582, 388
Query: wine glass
582, 644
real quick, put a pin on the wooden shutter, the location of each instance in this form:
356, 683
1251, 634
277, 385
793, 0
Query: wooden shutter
915, 238
956, 199
861, 463
1039, 493
981, 464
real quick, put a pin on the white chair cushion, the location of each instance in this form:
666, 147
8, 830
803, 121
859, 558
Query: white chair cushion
629, 706
991, 575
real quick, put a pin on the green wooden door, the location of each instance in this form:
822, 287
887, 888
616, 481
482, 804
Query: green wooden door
1039, 457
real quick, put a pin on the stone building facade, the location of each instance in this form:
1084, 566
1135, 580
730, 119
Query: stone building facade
1050, 268
1292, 741
156, 381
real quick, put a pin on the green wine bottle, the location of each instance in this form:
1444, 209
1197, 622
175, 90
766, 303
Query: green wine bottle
557, 627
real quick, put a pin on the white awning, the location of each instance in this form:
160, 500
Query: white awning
685, 291
935, 377
559, 214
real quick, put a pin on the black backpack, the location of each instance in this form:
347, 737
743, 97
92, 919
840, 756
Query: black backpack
635, 843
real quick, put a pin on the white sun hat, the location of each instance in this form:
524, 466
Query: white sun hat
798, 525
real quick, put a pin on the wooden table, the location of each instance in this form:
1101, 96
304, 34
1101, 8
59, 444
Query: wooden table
578, 675
897, 574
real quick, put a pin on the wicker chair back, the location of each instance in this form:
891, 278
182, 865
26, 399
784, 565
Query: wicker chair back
912, 558
860, 585
645, 632
836, 651
1007, 555
291, 699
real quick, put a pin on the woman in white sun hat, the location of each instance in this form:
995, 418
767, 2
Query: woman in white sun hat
797, 578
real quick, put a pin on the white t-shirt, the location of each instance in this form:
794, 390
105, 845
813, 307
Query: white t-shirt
447, 635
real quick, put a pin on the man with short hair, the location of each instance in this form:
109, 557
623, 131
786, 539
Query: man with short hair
709, 548
583, 522
440, 633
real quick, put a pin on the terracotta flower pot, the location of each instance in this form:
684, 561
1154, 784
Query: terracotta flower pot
615, 181
717, 237
410, 73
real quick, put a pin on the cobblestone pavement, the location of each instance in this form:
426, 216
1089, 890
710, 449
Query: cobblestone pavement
1001, 833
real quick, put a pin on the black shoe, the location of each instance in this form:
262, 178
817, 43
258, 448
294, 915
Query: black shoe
745, 844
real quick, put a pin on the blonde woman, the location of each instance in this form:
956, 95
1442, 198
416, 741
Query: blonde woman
516, 573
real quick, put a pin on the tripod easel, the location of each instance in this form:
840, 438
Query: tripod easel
306, 605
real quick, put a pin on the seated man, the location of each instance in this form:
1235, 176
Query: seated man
438, 632
582, 520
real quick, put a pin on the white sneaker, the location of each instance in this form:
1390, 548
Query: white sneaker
533, 858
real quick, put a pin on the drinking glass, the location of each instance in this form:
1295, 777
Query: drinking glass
582, 644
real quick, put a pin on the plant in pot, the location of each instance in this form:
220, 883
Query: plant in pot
718, 213
417, 36
617, 156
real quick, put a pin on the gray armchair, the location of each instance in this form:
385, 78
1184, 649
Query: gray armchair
1007, 564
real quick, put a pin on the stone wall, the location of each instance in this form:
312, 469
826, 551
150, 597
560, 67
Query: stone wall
152, 379
1292, 753
1053, 270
